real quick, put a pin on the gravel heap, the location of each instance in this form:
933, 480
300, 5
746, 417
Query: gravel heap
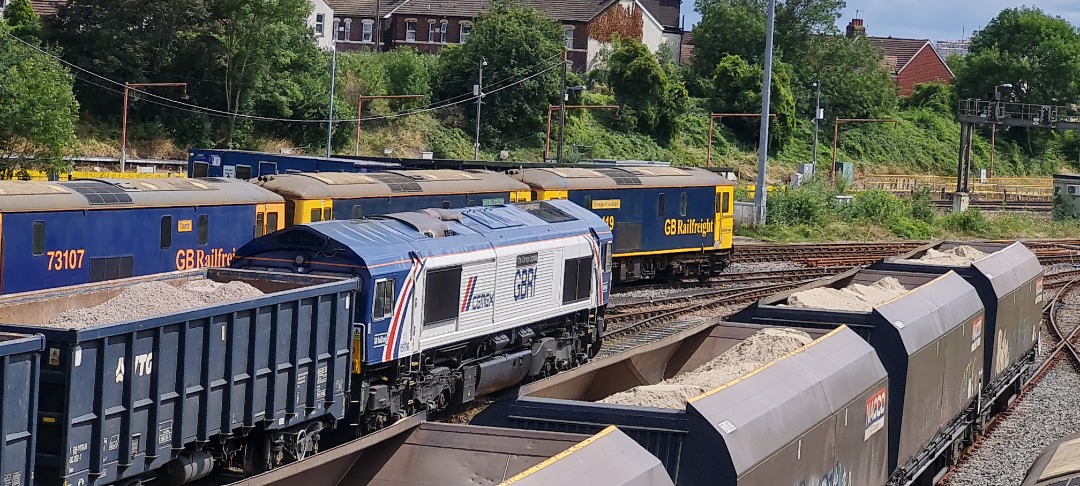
961, 256
749, 267
854, 297
1049, 412
762, 348
150, 299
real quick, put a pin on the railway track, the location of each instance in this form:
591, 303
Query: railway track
1046, 409
662, 323
825, 254
1008, 206
743, 278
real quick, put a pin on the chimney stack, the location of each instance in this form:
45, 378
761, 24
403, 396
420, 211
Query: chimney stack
856, 29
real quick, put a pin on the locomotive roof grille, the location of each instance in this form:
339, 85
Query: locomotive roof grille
547, 212
396, 182
621, 177
100, 193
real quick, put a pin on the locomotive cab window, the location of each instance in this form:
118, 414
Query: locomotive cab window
607, 256
725, 205
327, 214
384, 300
682, 204
271, 222
660, 200
442, 304
577, 278
204, 229
39, 238
316, 215
166, 232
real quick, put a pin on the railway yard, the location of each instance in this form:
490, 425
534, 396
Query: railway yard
663, 331
638, 315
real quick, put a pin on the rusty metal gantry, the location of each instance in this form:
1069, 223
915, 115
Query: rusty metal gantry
554, 108
360, 106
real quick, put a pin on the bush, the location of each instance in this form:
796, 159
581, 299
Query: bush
807, 205
971, 222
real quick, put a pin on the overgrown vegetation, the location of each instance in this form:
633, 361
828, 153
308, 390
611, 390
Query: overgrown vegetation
813, 212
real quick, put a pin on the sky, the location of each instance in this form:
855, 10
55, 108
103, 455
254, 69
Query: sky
929, 19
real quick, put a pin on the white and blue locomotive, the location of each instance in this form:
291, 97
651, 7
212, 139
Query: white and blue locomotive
454, 304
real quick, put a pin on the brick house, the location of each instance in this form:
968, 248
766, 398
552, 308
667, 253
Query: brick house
910, 61
427, 25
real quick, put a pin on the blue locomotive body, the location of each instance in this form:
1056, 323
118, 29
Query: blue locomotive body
69, 233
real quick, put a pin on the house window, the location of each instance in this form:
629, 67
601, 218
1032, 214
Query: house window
442, 37
410, 31
347, 30
466, 29
337, 25
431, 31
368, 28
568, 37
319, 20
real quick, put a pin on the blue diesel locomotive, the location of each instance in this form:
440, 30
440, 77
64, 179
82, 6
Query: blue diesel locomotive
68, 233
456, 303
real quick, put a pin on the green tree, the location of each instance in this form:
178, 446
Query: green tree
853, 82
737, 27
737, 87
937, 97
409, 73
650, 100
1038, 54
23, 21
39, 111
517, 43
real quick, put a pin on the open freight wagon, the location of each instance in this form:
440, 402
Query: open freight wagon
167, 395
784, 423
19, 372
413, 452
928, 338
1008, 278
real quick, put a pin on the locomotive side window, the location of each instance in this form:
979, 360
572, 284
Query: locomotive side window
607, 256
384, 300
682, 204
39, 238
577, 277
446, 204
357, 212
726, 205
243, 172
588, 202
166, 232
442, 304
660, 205
204, 229
271, 222
260, 224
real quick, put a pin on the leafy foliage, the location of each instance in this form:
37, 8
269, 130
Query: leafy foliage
737, 87
39, 111
649, 98
24, 23
515, 41
853, 82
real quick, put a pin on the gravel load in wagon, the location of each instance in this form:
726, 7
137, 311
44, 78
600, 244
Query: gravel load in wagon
928, 339
655, 414
1009, 280
137, 371
413, 452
